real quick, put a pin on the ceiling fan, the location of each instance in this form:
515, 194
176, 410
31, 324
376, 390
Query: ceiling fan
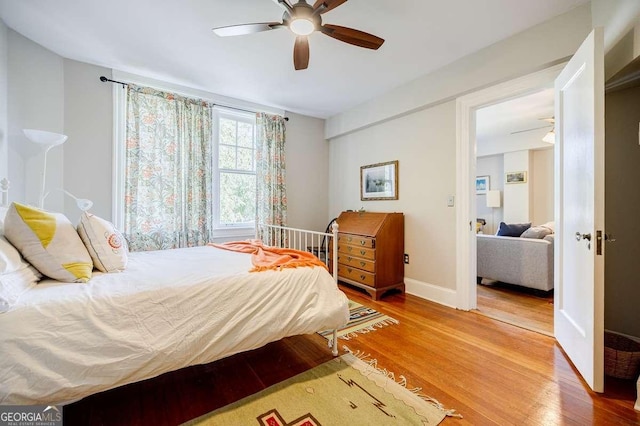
303, 19
550, 136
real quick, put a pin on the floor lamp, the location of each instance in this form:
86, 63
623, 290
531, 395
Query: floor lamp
493, 201
48, 140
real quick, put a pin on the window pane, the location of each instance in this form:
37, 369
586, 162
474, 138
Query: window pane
237, 198
227, 131
245, 135
227, 158
245, 159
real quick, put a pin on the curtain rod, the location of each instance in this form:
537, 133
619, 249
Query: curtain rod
105, 79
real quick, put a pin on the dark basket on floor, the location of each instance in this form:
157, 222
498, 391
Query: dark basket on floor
621, 356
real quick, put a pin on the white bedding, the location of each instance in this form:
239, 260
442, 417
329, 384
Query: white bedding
167, 310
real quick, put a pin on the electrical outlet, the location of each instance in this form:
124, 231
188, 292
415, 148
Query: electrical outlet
406, 258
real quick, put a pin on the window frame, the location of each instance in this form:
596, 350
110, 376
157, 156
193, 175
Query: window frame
219, 228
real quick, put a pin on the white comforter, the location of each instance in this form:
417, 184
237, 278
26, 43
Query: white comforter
168, 310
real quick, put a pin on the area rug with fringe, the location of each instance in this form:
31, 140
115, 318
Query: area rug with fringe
362, 319
345, 390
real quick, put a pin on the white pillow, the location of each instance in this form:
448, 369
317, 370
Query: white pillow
49, 242
105, 243
10, 259
15, 284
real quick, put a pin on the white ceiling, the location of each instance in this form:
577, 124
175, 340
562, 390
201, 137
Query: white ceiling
520, 116
171, 40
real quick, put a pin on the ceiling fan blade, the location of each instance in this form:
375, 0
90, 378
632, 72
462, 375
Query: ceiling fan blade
331, 4
531, 130
235, 30
351, 36
301, 53
285, 5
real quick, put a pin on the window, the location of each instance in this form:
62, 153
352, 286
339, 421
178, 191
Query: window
235, 170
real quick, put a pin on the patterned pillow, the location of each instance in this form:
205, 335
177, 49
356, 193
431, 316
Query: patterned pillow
49, 242
105, 243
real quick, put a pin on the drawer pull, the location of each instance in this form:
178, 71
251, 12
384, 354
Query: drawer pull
362, 277
349, 270
349, 258
349, 248
362, 242
363, 252
363, 264
349, 239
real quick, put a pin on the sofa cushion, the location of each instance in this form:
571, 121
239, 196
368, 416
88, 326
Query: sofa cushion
512, 229
538, 232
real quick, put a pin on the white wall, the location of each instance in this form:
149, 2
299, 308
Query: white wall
88, 121
517, 201
492, 166
4, 141
425, 143
307, 173
35, 101
421, 142
620, 19
542, 176
525, 52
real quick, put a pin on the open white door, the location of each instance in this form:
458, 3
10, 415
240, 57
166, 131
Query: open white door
579, 192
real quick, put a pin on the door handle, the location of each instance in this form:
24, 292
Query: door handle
580, 236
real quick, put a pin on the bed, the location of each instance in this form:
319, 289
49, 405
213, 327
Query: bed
167, 310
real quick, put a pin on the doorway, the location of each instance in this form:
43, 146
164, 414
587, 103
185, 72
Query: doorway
515, 136
466, 213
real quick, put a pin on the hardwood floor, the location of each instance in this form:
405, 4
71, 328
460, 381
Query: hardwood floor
518, 306
489, 371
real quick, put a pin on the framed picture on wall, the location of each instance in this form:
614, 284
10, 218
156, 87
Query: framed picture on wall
482, 184
379, 181
516, 177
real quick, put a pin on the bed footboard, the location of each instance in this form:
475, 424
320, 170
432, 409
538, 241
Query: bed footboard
322, 244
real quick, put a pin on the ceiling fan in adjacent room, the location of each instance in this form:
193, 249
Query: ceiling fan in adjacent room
303, 19
550, 137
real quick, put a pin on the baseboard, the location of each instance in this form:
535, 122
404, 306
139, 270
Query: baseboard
434, 293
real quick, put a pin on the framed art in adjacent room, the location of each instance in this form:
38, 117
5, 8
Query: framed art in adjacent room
516, 177
379, 181
482, 184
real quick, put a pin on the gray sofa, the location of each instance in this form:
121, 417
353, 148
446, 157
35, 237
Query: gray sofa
526, 262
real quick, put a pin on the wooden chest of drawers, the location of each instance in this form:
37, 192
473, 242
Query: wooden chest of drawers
371, 251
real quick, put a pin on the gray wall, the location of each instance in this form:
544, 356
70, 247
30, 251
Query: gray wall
622, 201
35, 101
307, 173
49, 92
88, 121
4, 147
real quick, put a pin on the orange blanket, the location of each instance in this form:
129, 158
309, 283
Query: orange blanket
266, 258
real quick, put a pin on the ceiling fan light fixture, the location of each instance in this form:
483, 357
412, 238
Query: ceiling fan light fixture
302, 26
550, 137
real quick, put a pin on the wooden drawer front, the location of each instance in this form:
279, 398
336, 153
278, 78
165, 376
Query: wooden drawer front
356, 262
355, 251
357, 240
357, 275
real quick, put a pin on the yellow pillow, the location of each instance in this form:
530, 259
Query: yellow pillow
49, 242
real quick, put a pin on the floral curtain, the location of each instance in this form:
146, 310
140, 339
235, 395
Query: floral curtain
168, 170
271, 196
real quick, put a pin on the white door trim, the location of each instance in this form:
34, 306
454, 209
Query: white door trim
466, 107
